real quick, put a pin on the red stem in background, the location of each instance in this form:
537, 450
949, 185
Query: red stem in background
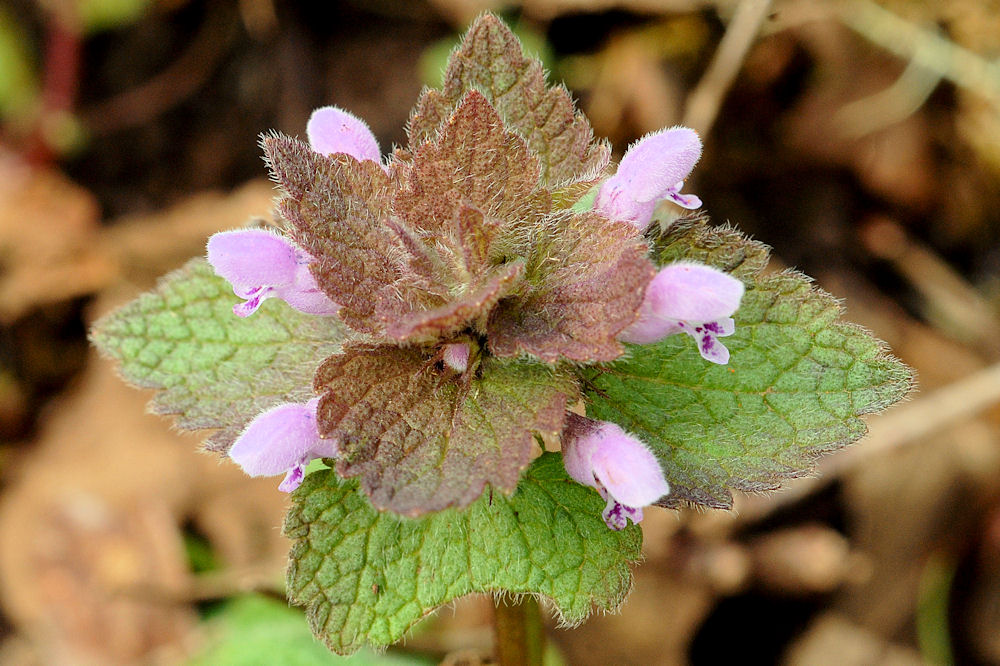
63, 46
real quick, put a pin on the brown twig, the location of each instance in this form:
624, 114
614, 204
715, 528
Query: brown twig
705, 100
934, 52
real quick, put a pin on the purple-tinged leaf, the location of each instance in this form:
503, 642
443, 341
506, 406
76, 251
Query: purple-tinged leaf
589, 276
490, 60
464, 311
421, 439
474, 162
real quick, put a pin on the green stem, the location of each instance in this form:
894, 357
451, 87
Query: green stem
519, 633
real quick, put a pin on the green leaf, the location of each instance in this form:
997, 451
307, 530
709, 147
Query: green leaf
796, 385
216, 370
254, 630
725, 248
366, 577
423, 438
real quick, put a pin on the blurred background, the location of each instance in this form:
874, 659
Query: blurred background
860, 139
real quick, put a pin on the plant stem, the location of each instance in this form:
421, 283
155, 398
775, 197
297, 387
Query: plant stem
519, 634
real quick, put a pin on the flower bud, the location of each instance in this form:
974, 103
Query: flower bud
333, 130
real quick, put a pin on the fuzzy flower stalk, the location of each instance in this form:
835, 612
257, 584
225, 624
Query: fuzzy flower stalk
502, 346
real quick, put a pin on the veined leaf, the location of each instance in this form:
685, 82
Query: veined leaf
214, 369
365, 577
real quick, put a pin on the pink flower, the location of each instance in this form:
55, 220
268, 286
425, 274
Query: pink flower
282, 440
689, 298
333, 130
260, 264
653, 169
624, 471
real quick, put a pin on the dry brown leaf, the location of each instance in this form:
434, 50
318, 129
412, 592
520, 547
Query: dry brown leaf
805, 559
48, 233
98, 566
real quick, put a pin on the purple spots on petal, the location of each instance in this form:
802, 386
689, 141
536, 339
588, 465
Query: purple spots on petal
293, 479
714, 327
249, 306
616, 515
689, 201
707, 342
625, 472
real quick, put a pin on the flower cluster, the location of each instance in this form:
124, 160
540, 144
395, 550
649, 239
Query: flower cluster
472, 287
683, 297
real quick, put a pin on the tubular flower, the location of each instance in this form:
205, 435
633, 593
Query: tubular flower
652, 169
689, 298
282, 440
260, 264
624, 471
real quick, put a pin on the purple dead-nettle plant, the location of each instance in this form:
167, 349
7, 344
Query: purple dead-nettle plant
478, 334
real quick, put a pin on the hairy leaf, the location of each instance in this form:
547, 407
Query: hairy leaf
216, 370
461, 311
339, 210
365, 577
796, 385
725, 248
490, 60
589, 275
422, 438
473, 162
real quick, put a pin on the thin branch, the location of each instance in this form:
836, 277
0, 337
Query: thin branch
706, 99
955, 63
